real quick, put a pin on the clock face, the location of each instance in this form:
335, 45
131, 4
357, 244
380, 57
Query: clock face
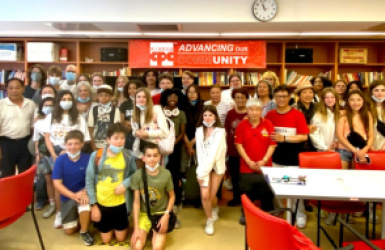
264, 10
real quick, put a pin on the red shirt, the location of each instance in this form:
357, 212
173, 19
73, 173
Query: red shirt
156, 99
255, 141
231, 123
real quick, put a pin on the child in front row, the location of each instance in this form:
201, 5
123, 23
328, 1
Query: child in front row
69, 180
108, 177
161, 199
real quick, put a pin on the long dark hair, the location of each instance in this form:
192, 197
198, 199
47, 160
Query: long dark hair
57, 113
212, 109
363, 112
41, 105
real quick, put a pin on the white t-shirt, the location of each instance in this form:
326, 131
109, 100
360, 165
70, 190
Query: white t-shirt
65, 86
58, 131
38, 129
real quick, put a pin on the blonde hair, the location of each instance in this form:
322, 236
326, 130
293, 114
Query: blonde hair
116, 92
148, 115
272, 75
189, 73
322, 109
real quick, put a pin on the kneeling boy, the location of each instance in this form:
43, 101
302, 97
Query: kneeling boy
161, 199
69, 180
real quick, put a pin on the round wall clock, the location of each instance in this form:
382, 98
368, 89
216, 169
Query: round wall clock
264, 10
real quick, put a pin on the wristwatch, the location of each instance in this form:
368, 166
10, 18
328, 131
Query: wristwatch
167, 212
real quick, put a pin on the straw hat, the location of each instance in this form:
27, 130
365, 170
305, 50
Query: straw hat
302, 86
105, 88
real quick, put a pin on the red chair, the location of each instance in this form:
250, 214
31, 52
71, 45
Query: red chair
329, 160
376, 163
266, 232
16, 193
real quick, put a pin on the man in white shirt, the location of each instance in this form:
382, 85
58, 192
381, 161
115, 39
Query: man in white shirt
235, 82
16, 120
71, 73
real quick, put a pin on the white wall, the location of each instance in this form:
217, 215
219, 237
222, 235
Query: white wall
188, 10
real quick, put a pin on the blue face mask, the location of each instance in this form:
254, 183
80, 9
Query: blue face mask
36, 76
70, 76
83, 100
115, 149
193, 102
106, 105
73, 156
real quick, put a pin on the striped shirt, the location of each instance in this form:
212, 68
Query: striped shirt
222, 109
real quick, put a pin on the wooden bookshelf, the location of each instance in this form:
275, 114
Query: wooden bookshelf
325, 57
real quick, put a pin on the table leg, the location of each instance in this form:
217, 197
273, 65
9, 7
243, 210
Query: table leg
289, 204
383, 221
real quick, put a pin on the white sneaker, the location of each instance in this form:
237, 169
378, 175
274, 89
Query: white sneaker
209, 229
301, 222
358, 214
227, 184
57, 223
215, 213
49, 211
330, 219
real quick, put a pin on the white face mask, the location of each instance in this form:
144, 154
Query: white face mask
46, 95
73, 156
53, 80
132, 98
66, 105
378, 100
209, 125
120, 89
95, 87
141, 107
152, 169
47, 110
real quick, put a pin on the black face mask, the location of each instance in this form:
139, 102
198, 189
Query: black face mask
381, 127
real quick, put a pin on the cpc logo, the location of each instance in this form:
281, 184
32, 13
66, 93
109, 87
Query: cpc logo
162, 53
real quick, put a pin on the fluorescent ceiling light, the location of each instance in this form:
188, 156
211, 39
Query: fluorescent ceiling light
342, 33
261, 34
86, 33
179, 34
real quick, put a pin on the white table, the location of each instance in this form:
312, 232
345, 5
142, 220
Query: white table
325, 184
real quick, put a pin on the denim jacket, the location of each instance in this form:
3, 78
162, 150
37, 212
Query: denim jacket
92, 178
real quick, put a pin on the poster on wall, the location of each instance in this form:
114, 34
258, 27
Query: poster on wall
197, 54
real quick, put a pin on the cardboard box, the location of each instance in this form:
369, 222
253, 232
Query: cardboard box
10, 52
353, 55
42, 52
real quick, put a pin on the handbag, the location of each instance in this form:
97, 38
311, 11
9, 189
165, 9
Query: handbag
381, 127
166, 145
356, 140
155, 218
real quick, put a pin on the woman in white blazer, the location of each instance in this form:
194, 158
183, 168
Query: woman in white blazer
211, 153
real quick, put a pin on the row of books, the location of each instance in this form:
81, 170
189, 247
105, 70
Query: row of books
210, 78
365, 77
6, 74
293, 78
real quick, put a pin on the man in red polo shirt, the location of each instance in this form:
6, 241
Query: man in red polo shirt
255, 147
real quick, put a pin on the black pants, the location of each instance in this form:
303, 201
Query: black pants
174, 166
256, 188
234, 165
14, 152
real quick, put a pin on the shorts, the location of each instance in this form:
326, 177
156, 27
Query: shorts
57, 149
44, 166
70, 210
112, 218
345, 154
144, 221
219, 169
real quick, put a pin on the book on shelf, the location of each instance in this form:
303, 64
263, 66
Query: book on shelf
210, 78
364, 77
293, 78
6, 74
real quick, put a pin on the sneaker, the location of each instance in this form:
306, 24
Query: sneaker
233, 203
330, 219
301, 222
376, 220
49, 211
57, 223
87, 238
209, 229
351, 220
39, 206
178, 224
215, 213
228, 185
242, 220
358, 214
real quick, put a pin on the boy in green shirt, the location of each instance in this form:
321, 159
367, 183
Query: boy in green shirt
161, 199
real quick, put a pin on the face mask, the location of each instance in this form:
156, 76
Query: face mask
47, 110
115, 149
209, 125
152, 169
70, 76
120, 90
378, 100
54, 80
185, 86
73, 156
95, 87
193, 102
83, 100
141, 107
46, 95
106, 105
66, 105
132, 98
36, 76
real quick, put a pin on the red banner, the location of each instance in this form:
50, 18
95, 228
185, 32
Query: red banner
197, 54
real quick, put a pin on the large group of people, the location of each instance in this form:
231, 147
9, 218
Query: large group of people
107, 152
